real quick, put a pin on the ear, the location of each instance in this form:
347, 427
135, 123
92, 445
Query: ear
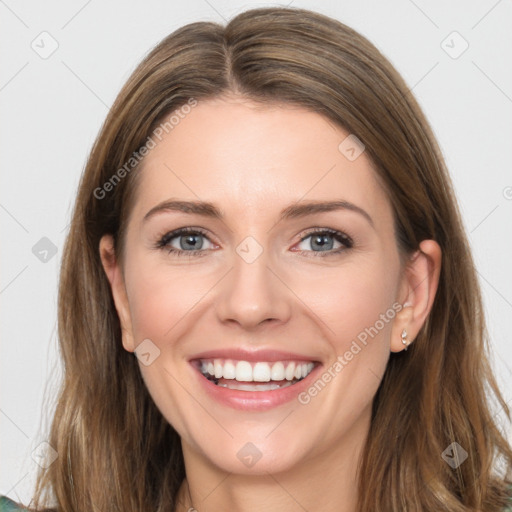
417, 293
117, 285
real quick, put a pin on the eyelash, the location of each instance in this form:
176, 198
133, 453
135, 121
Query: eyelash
337, 235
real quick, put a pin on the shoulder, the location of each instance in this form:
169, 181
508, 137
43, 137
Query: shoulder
508, 507
7, 505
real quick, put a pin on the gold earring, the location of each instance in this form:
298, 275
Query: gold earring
404, 338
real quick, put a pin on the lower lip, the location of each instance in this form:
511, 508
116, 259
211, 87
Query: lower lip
255, 400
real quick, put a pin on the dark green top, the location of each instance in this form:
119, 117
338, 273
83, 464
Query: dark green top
7, 505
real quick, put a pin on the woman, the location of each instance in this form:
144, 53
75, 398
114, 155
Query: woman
322, 345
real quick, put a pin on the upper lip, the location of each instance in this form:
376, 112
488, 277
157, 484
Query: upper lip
264, 355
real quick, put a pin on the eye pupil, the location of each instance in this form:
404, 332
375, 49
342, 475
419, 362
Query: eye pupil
192, 242
190, 239
321, 241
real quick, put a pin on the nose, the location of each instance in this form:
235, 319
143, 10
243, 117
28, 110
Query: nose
253, 294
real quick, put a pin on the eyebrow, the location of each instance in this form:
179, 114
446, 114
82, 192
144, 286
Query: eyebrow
294, 211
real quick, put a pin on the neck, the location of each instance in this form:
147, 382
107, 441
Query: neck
327, 481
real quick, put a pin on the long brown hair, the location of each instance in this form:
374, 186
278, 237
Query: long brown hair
116, 451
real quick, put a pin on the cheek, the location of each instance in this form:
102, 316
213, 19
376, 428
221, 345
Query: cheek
160, 298
163, 302
354, 302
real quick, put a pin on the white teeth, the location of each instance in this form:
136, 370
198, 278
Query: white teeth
229, 371
261, 372
218, 368
244, 371
277, 372
254, 387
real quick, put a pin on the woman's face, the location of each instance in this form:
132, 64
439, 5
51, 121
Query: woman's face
263, 299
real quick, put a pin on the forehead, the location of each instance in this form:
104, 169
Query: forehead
251, 159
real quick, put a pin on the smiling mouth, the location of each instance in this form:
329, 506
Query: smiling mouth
254, 376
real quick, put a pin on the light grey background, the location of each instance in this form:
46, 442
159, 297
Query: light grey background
52, 109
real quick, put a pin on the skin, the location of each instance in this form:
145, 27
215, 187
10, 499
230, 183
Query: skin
253, 161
